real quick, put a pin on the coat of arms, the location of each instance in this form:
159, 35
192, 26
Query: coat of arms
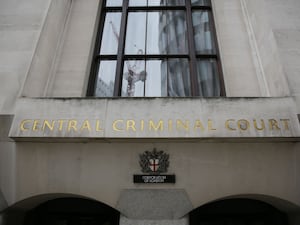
154, 162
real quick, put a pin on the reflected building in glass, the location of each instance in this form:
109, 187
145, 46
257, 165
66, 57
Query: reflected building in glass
157, 48
173, 40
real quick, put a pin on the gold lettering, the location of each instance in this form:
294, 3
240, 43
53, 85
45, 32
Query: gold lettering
228, 124
72, 125
262, 125
243, 124
170, 125
199, 125
115, 125
36, 124
23, 123
48, 125
285, 123
98, 126
273, 124
210, 125
86, 125
142, 125
61, 124
130, 124
159, 126
185, 125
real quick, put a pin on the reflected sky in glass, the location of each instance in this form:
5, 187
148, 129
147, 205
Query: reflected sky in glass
106, 79
162, 32
111, 30
114, 2
156, 2
136, 33
156, 84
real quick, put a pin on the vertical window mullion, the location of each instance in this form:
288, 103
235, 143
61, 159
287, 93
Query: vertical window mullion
213, 29
121, 46
96, 61
191, 45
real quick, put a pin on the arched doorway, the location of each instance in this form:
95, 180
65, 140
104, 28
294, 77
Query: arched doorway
237, 212
72, 211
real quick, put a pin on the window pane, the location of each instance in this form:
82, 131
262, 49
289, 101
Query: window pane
153, 39
156, 83
111, 32
156, 2
203, 35
105, 79
114, 2
134, 77
136, 33
172, 36
179, 84
137, 2
175, 2
208, 78
201, 2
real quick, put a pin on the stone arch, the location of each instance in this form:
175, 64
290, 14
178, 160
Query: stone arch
242, 209
60, 209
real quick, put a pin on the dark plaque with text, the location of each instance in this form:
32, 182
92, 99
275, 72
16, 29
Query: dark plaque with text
154, 179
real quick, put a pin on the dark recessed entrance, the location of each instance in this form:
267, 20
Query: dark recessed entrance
72, 211
237, 212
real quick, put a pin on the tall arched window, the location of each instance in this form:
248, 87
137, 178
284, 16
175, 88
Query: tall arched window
156, 48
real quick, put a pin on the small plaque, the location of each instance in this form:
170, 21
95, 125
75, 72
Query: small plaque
154, 179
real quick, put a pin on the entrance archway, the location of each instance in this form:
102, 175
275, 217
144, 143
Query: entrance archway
72, 211
237, 212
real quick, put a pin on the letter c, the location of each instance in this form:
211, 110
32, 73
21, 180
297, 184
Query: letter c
22, 125
227, 124
115, 127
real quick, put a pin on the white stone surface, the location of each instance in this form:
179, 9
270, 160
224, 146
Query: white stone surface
206, 171
20, 26
49, 44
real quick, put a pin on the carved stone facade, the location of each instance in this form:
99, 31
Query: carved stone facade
56, 143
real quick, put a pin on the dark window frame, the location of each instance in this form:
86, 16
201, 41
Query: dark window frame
120, 58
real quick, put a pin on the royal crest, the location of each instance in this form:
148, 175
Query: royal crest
154, 162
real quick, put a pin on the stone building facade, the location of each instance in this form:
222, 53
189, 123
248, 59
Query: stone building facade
237, 155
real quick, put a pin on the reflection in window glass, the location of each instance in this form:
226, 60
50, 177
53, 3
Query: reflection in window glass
172, 36
156, 2
153, 33
136, 33
202, 33
106, 79
114, 2
156, 83
208, 78
155, 55
138, 2
179, 83
109, 44
134, 77
166, 33
201, 2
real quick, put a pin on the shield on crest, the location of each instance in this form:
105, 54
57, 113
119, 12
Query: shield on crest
154, 162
